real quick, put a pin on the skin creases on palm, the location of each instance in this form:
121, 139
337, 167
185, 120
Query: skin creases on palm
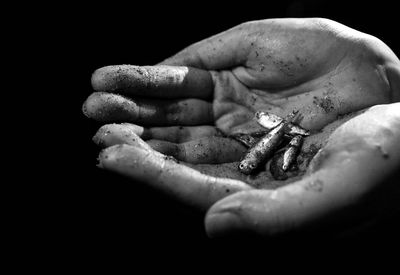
339, 87
321, 100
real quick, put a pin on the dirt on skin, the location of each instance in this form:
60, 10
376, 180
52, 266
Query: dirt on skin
324, 103
263, 178
171, 158
268, 176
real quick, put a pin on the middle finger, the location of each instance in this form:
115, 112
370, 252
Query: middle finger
106, 107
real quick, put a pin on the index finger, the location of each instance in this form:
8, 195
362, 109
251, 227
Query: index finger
154, 81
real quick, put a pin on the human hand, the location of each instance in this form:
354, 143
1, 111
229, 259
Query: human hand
318, 67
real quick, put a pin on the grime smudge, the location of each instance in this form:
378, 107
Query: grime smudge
383, 152
324, 103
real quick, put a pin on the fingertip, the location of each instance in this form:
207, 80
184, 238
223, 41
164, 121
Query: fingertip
109, 135
119, 155
224, 218
107, 107
98, 137
246, 213
113, 134
121, 78
101, 78
223, 224
91, 105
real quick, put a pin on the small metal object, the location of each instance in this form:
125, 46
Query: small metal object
269, 121
290, 154
263, 149
275, 166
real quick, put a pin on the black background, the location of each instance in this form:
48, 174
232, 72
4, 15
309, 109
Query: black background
97, 215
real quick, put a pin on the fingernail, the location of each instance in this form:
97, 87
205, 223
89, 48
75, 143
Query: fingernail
223, 224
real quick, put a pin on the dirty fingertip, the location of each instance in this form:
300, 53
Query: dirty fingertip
97, 139
100, 78
108, 107
91, 105
85, 109
101, 134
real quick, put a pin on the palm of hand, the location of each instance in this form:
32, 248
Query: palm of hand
314, 70
321, 70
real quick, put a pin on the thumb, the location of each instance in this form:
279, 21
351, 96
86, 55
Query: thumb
261, 212
351, 180
334, 198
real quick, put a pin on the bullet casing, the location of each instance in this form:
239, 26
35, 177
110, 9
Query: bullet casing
290, 154
269, 121
263, 149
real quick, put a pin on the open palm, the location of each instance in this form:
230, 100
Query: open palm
192, 101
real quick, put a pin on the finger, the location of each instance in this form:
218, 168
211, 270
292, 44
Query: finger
176, 134
112, 134
223, 50
210, 150
204, 150
154, 81
180, 182
180, 134
337, 189
105, 107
